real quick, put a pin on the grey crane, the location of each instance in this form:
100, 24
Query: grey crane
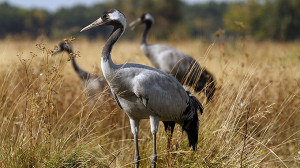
93, 85
170, 60
144, 92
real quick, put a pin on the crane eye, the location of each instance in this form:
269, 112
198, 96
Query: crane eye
105, 16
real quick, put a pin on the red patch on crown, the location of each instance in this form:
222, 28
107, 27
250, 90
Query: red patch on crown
109, 11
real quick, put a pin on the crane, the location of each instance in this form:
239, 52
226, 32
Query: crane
170, 60
144, 92
93, 85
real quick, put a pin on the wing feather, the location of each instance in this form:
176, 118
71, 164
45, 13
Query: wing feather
160, 93
116, 99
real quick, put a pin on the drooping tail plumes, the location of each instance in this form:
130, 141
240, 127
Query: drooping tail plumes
207, 82
191, 123
210, 89
169, 124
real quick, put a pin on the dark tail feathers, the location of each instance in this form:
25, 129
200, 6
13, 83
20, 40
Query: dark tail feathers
211, 88
206, 80
170, 124
191, 123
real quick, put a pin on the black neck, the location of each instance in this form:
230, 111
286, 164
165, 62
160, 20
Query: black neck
146, 30
113, 38
75, 66
82, 74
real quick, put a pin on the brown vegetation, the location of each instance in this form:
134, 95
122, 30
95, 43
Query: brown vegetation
46, 120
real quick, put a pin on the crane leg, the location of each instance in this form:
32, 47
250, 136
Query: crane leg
154, 122
134, 124
169, 134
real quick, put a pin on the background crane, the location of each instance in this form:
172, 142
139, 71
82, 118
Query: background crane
93, 85
170, 60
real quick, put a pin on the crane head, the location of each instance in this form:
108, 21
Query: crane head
63, 46
145, 18
110, 17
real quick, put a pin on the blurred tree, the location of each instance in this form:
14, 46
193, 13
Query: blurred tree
21, 21
11, 20
287, 23
167, 14
36, 22
204, 19
269, 19
262, 19
69, 21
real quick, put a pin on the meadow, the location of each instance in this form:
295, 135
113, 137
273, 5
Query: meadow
47, 121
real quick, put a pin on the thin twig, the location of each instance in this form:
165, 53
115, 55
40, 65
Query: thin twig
114, 158
246, 127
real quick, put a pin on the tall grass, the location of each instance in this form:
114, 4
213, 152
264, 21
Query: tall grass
47, 121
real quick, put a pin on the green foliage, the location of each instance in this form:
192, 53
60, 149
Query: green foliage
267, 19
167, 14
14, 20
287, 21
204, 19
11, 19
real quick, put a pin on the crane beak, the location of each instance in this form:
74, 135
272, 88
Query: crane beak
56, 52
133, 24
96, 23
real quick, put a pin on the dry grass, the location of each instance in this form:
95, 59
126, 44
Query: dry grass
48, 122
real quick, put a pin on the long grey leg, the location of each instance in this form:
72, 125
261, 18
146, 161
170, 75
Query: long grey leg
134, 124
154, 121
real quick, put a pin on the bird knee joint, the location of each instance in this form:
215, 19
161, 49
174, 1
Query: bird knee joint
137, 159
154, 131
153, 158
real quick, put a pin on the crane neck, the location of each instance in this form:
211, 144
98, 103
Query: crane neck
146, 30
74, 64
78, 70
113, 38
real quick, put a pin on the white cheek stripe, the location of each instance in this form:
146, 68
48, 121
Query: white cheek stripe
118, 16
149, 17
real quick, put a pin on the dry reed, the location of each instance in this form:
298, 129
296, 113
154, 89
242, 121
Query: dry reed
48, 122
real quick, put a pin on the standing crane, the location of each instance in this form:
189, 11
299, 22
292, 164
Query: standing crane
144, 92
172, 61
93, 85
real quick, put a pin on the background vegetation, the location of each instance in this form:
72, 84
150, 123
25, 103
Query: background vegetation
261, 19
253, 120
47, 121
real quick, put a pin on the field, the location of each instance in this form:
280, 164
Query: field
47, 121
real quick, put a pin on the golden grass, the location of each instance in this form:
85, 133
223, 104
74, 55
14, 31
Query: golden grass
46, 120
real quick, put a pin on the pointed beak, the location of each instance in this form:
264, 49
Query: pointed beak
96, 23
56, 52
133, 24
